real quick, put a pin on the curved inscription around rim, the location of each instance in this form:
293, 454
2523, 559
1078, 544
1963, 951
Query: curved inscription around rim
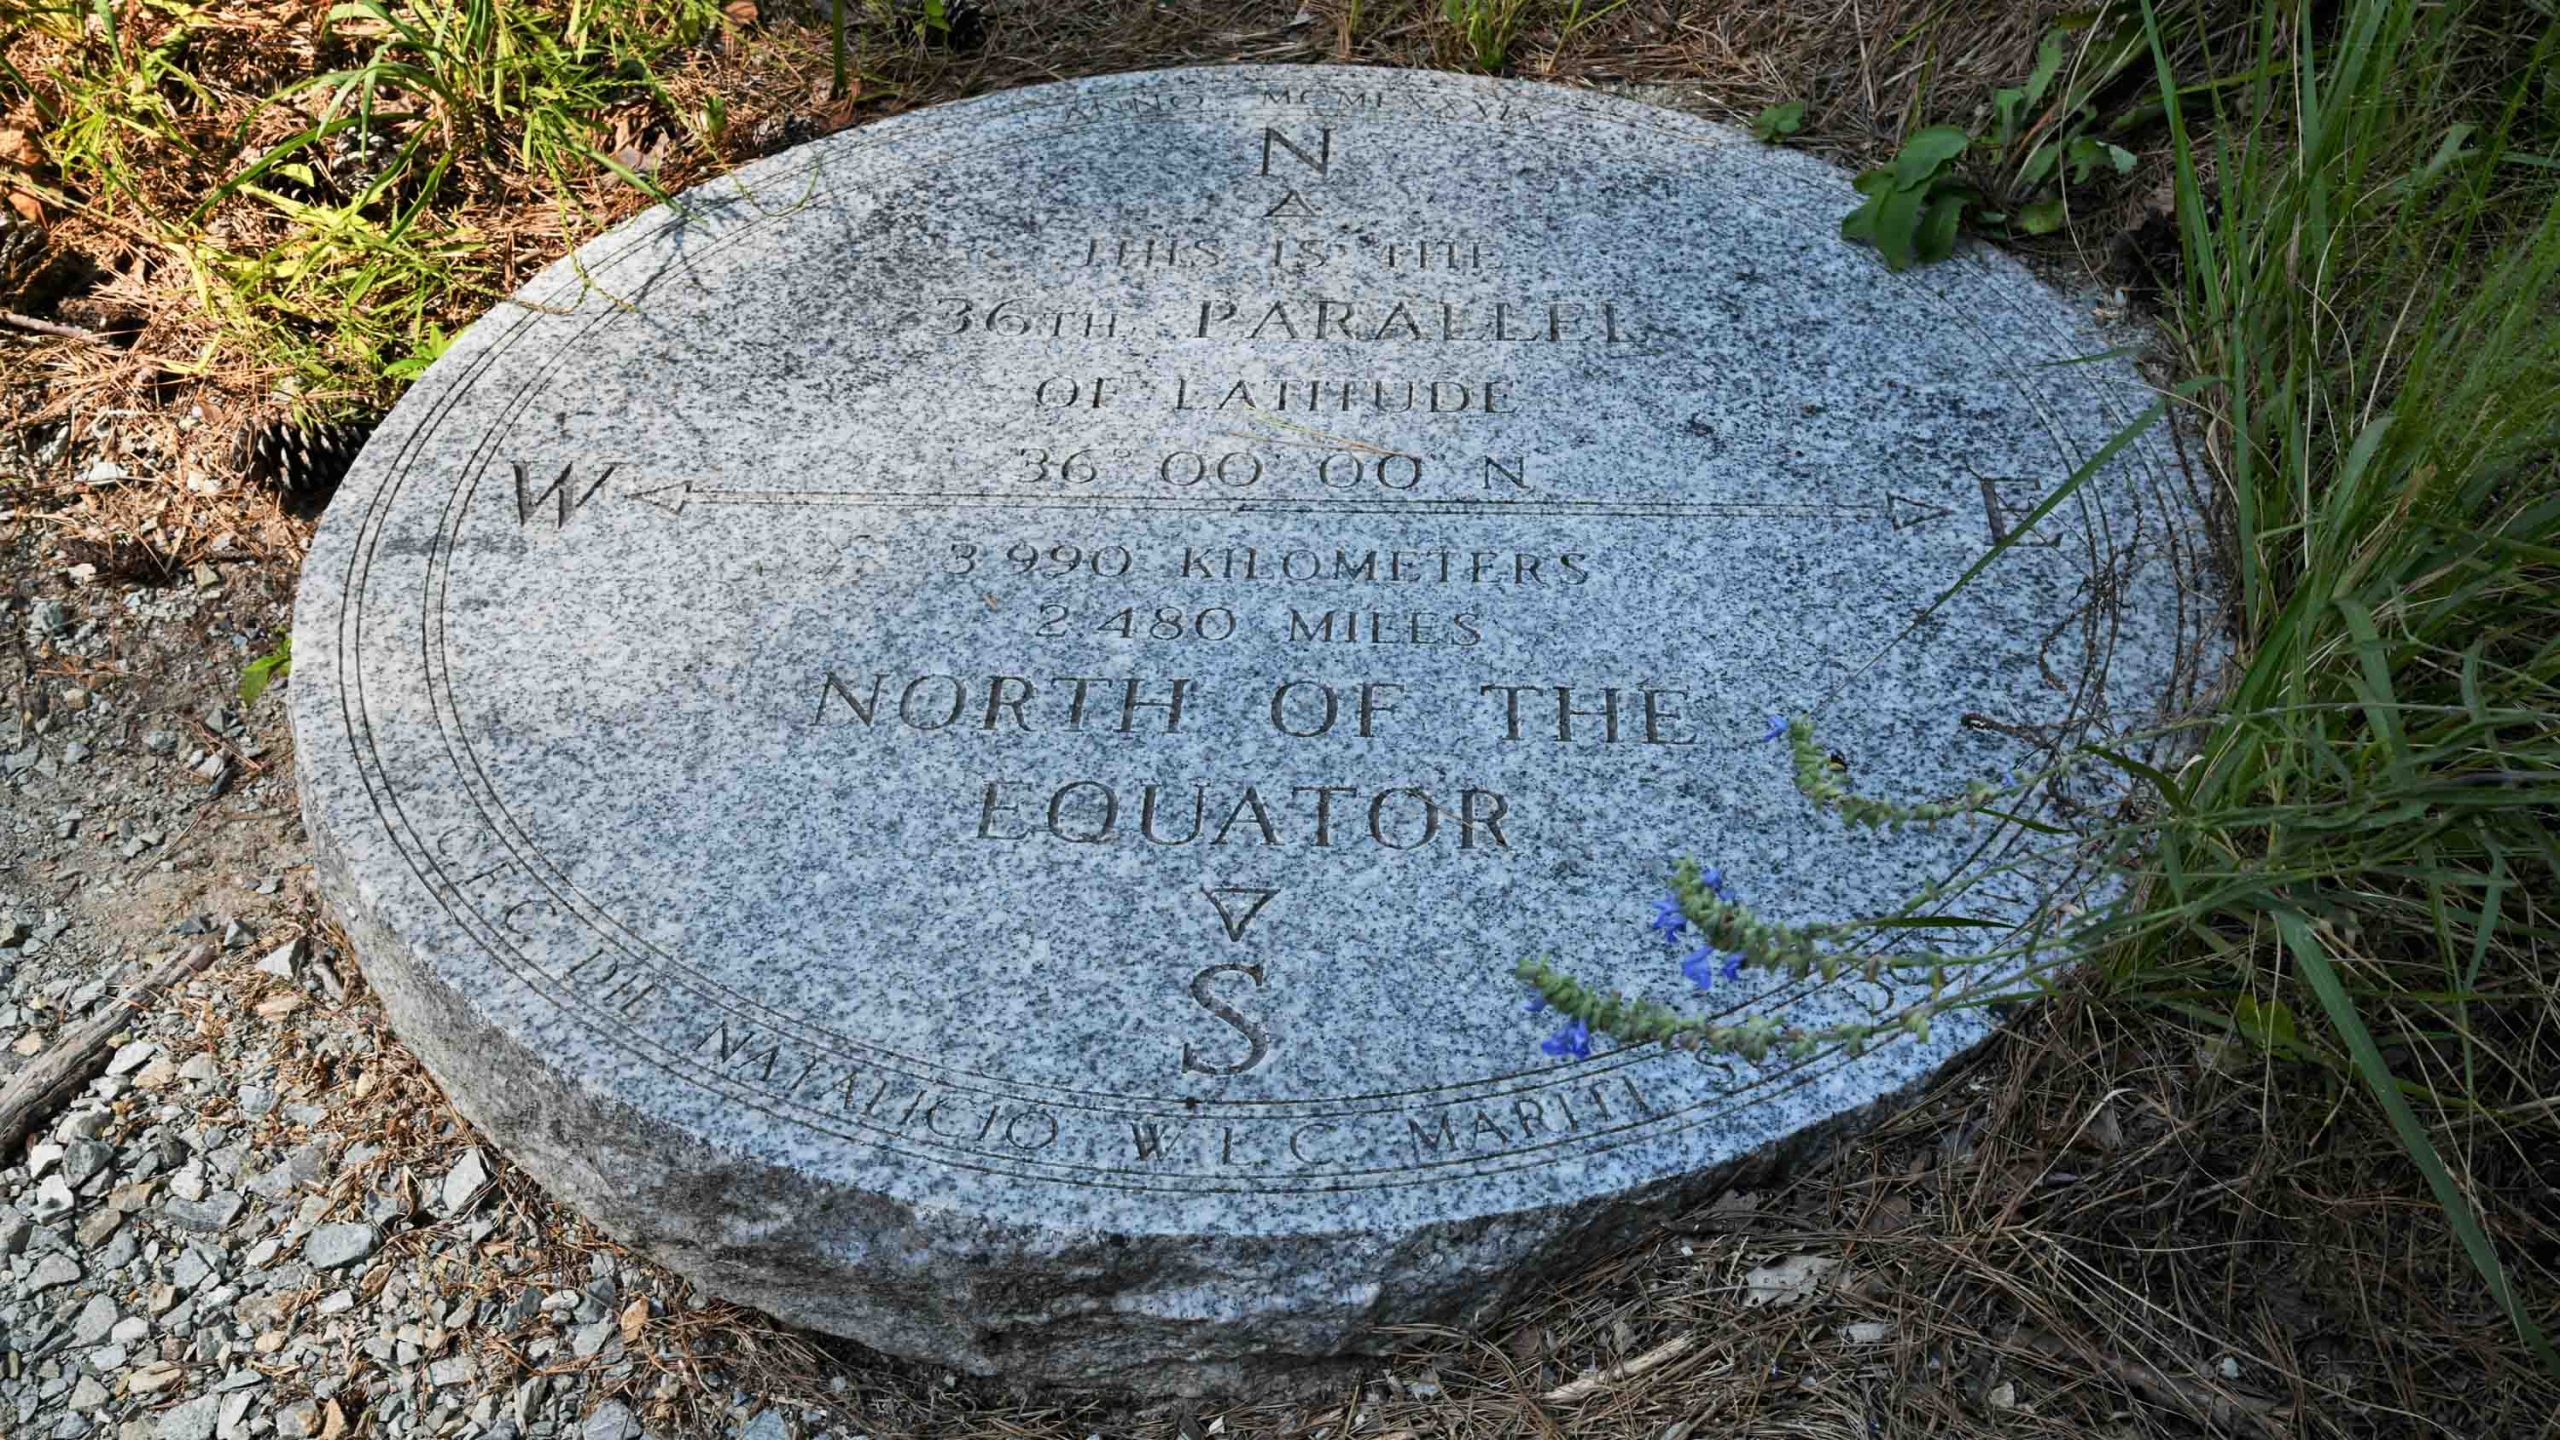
668, 1010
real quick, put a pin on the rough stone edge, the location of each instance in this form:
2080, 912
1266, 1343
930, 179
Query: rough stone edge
1095, 1311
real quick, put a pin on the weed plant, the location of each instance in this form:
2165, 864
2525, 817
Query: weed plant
327, 226
2353, 865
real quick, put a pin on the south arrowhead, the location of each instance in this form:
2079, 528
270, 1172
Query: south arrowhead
1903, 512
1237, 905
670, 498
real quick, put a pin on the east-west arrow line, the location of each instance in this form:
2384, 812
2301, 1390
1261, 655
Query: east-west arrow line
1899, 511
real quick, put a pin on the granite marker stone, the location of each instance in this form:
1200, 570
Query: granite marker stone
959, 733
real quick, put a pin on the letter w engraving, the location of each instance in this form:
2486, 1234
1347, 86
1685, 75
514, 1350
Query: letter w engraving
1321, 161
562, 485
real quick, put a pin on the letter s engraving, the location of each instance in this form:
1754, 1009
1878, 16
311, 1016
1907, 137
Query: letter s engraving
1257, 1036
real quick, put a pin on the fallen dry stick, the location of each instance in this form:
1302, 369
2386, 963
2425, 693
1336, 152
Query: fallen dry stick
34, 326
1598, 1380
71, 1062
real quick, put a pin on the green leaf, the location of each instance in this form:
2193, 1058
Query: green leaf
1937, 238
2039, 165
415, 363
2041, 218
2005, 108
275, 665
1925, 154
1778, 121
1897, 227
2268, 1022
2048, 63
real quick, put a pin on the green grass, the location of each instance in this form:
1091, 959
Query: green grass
2351, 865
2371, 233
332, 226
1485, 29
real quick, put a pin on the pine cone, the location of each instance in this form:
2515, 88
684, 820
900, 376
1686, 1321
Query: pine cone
26, 253
302, 462
355, 161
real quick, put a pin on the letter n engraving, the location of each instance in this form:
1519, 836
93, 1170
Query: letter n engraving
1319, 159
564, 486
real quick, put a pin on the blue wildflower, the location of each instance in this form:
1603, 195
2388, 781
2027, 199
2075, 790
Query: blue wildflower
1533, 1004
1713, 879
1777, 729
1706, 965
1668, 922
1573, 1042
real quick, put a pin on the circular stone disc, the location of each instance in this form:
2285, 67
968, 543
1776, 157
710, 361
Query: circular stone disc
959, 732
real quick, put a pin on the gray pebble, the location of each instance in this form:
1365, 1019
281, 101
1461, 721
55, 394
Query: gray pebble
94, 1321
612, 1420
463, 1182
194, 1420
85, 1159
214, 1212
331, 1246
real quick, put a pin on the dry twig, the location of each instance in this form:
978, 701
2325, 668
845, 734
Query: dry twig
74, 1059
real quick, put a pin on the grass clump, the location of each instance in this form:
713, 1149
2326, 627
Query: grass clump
2351, 868
340, 191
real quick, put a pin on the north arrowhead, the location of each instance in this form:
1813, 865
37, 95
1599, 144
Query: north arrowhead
1237, 905
670, 498
1903, 512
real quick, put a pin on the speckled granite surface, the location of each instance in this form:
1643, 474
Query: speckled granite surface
959, 732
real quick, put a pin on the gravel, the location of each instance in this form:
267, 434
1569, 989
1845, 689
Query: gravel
193, 1420
333, 1246
262, 1221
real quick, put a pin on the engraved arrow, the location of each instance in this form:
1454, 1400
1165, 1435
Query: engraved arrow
1237, 905
1902, 512
669, 498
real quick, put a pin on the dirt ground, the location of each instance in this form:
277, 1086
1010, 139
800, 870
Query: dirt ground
264, 1220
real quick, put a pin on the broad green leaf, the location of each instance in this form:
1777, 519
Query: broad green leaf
2005, 108
2038, 166
266, 670
2268, 1022
1937, 239
2048, 62
1925, 154
1897, 223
